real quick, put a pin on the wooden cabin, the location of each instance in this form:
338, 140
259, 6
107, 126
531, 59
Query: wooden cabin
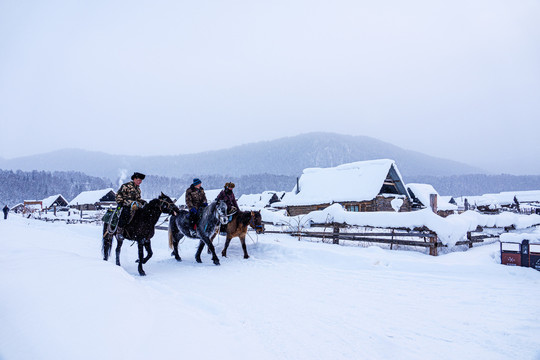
421, 196
94, 199
374, 185
54, 201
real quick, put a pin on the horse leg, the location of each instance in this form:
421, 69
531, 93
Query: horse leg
208, 242
118, 248
175, 247
199, 251
244, 247
107, 245
140, 244
227, 242
148, 247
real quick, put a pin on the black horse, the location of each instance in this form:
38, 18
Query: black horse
140, 229
213, 215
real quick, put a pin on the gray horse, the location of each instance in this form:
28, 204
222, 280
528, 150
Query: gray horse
213, 215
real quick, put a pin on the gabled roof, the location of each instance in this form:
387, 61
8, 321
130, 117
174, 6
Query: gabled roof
357, 181
421, 192
49, 201
90, 197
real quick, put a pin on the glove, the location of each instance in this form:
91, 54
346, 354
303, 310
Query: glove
193, 210
205, 204
135, 205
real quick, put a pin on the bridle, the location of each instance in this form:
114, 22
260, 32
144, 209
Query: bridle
170, 206
253, 225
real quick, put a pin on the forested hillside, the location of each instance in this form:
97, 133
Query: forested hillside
16, 186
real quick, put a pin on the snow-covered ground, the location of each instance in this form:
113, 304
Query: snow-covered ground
291, 300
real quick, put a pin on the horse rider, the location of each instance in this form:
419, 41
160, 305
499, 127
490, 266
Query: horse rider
227, 195
195, 201
6, 211
129, 199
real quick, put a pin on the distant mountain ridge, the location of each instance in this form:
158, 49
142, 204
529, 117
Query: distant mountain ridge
286, 156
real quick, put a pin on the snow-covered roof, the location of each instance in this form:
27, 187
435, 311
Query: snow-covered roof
502, 198
90, 197
211, 195
423, 191
259, 201
49, 201
357, 181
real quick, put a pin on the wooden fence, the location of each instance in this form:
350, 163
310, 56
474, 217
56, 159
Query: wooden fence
420, 237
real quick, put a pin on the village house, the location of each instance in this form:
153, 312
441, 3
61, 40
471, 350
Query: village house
516, 201
374, 185
54, 201
421, 196
94, 199
260, 201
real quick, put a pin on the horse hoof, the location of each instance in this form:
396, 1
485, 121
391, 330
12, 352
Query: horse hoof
178, 258
198, 260
223, 254
246, 257
142, 273
216, 262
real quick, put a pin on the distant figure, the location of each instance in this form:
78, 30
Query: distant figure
129, 198
5, 210
195, 201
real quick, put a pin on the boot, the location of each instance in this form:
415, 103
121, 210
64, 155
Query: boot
120, 233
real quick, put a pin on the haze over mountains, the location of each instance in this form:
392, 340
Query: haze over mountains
286, 156
256, 167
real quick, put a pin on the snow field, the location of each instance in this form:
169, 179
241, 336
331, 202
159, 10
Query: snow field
291, 300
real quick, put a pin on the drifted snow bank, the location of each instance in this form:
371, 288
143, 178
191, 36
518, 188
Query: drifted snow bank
450, 229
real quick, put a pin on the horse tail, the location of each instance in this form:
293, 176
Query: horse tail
172, 222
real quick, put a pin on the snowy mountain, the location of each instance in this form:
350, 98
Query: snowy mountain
286, 156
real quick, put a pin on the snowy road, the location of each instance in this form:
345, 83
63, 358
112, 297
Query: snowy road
291, 300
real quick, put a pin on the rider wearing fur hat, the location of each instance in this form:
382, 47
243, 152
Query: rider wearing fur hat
129, 198
195, 201
227, 195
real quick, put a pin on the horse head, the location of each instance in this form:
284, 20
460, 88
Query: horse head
167, 206
256, 222
221, 209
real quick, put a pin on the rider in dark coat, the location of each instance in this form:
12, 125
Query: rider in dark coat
5, 210
227, 195
129, 198
195, 201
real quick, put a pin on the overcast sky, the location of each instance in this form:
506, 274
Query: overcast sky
454, 79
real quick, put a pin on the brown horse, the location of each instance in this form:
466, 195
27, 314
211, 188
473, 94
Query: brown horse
238, 227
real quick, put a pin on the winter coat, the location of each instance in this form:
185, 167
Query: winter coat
228, 196
128, 193
5, 209
195, 197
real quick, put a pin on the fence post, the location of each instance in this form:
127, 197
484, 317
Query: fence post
433, 248
335, 235
469, 238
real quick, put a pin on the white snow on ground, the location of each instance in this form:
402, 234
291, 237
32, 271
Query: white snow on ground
291, 300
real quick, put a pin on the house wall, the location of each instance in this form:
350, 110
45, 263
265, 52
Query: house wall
380, 203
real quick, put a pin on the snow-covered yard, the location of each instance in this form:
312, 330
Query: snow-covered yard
291, 300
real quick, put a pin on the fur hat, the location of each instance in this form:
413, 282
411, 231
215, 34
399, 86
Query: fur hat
137, 175
229, 185
196, 181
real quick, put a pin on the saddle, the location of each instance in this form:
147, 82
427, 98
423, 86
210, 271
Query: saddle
112, 216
